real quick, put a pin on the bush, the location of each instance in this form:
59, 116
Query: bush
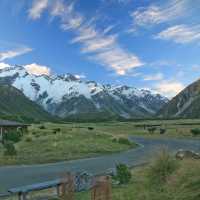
162, 168
56, 129
34, 133
90, 128
114, 140
195, 131
123, 174
152, 129
162, 131
42, 127
29, 139
9, 149
37, 135
124, 141
12, 136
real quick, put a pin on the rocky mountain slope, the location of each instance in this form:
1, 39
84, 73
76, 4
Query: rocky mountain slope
186, 104
14, 104
69, 97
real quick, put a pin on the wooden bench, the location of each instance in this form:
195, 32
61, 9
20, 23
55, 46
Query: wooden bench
22, 191
81, 181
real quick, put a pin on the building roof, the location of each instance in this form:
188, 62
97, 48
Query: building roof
11, 123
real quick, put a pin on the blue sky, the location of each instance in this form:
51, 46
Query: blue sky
143, 43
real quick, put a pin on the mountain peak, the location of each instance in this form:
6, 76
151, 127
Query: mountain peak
66, 95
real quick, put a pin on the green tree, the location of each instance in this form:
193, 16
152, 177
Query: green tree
9, 149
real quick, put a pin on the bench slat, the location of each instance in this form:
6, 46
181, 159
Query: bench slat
34, 187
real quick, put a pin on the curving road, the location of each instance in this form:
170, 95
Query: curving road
15, 176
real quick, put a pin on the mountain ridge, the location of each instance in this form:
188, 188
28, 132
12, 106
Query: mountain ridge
184, 105
67, 96
15, 105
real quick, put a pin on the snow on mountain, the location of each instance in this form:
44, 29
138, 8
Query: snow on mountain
68, 95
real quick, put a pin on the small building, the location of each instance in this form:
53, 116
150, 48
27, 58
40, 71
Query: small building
7, 126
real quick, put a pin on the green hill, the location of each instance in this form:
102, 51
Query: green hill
14, 105
185, 105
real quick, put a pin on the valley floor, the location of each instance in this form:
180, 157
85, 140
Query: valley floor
48, 143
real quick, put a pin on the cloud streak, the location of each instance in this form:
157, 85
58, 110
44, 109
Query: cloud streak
14, 53
97, 45
37, 8
180, 34
156, 14
155, 77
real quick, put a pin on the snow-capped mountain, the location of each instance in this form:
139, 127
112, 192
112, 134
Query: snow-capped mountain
69, 97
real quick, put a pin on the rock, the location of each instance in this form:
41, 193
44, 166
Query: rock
83, 181
181, 154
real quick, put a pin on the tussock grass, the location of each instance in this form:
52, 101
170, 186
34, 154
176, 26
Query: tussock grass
61, 142
177, 180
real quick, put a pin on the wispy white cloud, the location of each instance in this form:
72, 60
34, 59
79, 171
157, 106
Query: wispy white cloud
119, 60
37, 8
155, 77
80, 76
116, 1
97, 44
180, 34
159, 13
195, 68
37, 69
4, 65
14, 53
169, 88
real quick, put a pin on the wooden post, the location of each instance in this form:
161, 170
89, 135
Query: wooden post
22, 196
1, 134
67, 187
58, 190
101, 189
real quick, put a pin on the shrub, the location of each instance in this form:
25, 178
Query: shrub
57, 129
114, 140
12, 136
42, 127
37, 135
195, 131
123, 174
152, 129
124, 141
162, 131
9, 149
90, 128
29, 139
162, 168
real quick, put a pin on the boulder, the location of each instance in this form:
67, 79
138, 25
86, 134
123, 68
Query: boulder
181, 154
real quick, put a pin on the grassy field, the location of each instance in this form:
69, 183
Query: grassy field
58, 142
46, 143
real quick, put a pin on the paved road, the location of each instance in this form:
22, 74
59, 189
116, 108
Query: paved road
25, 175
